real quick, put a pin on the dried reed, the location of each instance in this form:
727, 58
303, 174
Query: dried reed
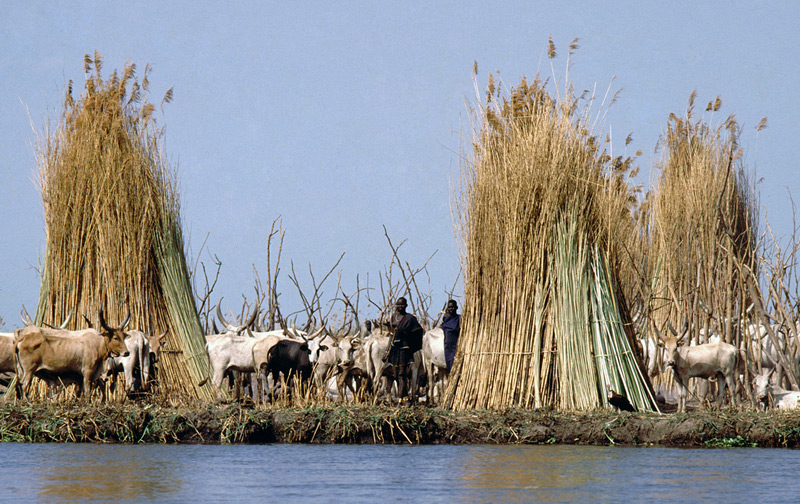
540, 202
113, 225
703, 227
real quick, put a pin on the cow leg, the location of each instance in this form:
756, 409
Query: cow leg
731, 382
402, 381
682, 389
262, 382
25, 384
276, 379
216, 381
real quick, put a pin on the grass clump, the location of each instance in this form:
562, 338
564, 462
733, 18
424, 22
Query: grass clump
112, 216
545, 213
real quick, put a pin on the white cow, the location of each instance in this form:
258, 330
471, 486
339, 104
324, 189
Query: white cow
353, 366
712, 360
654, 356
377, 345
780, 398
765, 353
229, 352
143, 351
434, 362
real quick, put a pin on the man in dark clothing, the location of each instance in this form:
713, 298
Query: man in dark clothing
406, 340
451, 325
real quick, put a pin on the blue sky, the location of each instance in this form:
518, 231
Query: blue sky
344, 117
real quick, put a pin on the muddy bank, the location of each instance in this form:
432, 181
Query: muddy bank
130, 423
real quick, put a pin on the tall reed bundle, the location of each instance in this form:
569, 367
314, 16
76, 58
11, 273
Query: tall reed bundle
703, 227
543, 211
113, 225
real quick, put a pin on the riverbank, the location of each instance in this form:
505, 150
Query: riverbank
213, 424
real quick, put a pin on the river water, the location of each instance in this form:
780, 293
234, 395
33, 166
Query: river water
388, 473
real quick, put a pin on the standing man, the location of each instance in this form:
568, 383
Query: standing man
406, 340
451, 325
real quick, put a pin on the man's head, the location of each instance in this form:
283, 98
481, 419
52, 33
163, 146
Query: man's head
400, 305
451, 308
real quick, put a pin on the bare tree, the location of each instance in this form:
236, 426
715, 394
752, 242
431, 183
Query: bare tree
312, 306
203, 300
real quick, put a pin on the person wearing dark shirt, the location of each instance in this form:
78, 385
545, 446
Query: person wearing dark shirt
451, 325
406, 340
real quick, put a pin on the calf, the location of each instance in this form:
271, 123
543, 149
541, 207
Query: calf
68, 356
323, 356
712, 360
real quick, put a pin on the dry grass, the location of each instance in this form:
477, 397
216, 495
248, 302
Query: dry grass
540, 202
703, 228
113, 223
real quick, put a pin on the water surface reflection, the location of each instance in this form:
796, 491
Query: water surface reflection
337, 473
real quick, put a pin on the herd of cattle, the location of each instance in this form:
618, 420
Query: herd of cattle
347, 366
341, 366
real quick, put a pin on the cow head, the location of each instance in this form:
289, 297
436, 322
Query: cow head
115, 335
315, 343
762, 384
671, 344
154, 344
345, 351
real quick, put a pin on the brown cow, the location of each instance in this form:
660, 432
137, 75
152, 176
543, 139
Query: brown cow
69, 356
7, 353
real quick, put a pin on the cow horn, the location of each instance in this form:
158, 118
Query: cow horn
658, 333
684, 330
103, 322
219, 315
252, 317
671, 328
66, 321
26, 318
127, 317
88, 322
